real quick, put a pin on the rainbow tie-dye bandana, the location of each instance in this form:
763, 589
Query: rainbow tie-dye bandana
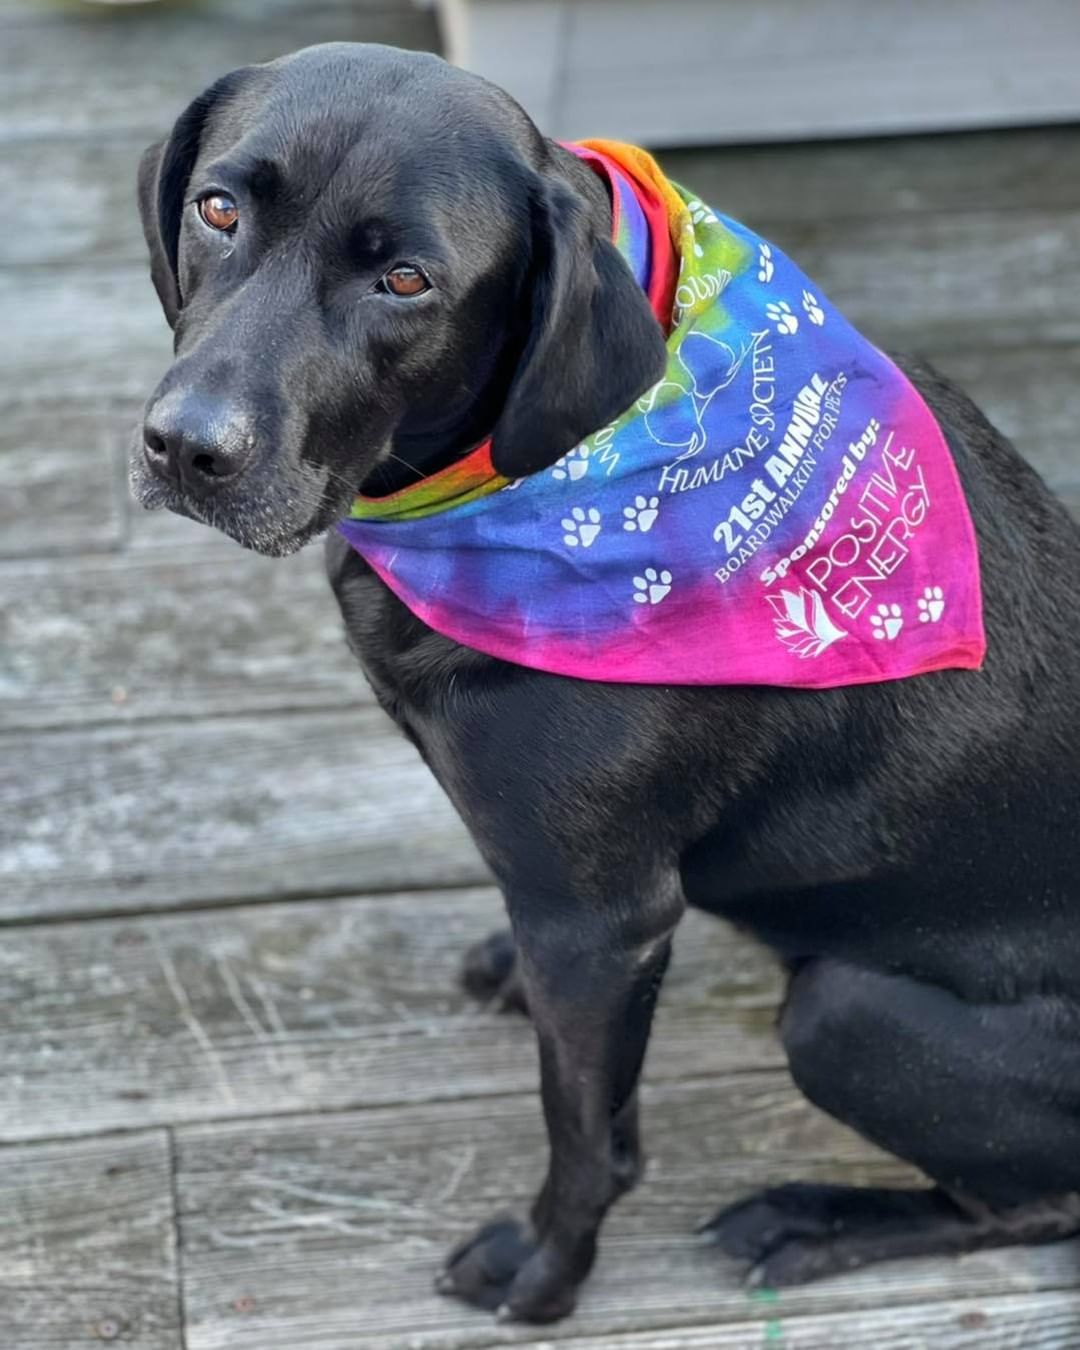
781, 508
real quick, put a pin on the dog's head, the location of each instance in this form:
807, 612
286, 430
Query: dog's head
368, 256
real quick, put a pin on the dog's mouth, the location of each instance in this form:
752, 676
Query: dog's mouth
268, 514
153, 496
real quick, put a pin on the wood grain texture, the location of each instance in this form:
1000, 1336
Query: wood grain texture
1029, 393
165, 815
675, 74
776, 185
249, 11
334, 1225
936, 281
87, 1251
82, 335
152, 636
312, 1006
1027, 1322
60, 485
159, 57
84, 189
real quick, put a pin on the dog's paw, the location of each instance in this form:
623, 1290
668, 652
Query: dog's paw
504, 1269
490, 973
801, 1232
751, 1229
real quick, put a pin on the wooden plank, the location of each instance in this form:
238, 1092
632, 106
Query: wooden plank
163, 56
84, 204
63, 462
87, 1252
834, 69
93, 334
1030, 394
789, 71
124, 818
312, 1006
249, 10
170, 634
945, 282
793, 184
332, 1226
83, 195
1020, 1322
60, 486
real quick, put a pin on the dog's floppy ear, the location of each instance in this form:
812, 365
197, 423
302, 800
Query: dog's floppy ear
163, 176
593, 343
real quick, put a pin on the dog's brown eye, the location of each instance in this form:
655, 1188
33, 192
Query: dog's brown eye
219, 211
405, 280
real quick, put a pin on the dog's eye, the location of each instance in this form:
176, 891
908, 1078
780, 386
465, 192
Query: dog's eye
219, 211
404, 280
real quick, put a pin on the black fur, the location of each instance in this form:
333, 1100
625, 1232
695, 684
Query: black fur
908, 849
591, 348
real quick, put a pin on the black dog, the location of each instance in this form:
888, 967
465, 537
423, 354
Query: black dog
372, 261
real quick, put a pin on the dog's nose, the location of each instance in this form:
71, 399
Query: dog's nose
197, 443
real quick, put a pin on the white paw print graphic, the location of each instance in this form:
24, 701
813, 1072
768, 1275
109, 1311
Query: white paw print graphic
766, 266
651, 588
573, 465
700, 215
641, 515
887, 622
814, 312
931, 604
581, 527
781, 315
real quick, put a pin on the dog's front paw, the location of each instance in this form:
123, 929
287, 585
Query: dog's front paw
505, 1269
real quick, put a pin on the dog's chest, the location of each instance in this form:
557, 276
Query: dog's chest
409, 666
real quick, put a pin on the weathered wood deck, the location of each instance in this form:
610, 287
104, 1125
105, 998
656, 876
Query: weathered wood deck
243, 1101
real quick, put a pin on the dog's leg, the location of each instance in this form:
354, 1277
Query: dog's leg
591, 977
984, 1098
